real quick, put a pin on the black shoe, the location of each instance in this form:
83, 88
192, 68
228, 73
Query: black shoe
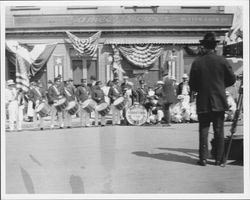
61, 127
102, 125
41, 129
221, 164
202, 162
68, 126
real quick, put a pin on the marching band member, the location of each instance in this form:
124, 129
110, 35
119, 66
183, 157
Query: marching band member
124, 85
31, 105
131, 97
193, 113
142, 92
114, 93
176, 110
83, 93
105, 89
229, 114
37, 95
98, 97
55, 93
71, 86
69, 94
155, 109
183, 89
11, 103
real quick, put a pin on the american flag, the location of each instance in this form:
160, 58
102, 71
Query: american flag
85, 46
29, 60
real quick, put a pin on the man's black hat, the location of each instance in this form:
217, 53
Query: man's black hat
210, 37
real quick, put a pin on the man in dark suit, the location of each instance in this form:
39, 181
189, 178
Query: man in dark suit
209, 76
168, 97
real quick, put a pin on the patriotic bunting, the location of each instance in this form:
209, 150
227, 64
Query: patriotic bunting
28, 59
141, 55
85, 46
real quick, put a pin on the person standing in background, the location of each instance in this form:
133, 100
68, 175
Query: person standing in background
168, 97
209, 76
11, 103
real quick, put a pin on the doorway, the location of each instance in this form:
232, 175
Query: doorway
77, 67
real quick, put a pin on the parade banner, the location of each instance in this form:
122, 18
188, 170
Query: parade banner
85, 46
142, 56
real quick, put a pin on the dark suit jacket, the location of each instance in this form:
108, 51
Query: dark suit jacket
168, 91
209, 76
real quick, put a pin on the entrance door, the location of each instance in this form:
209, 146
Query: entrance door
77, 67
91, 69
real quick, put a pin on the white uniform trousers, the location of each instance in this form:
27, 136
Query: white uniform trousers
103, 119
53, 116
84, 118
67, 119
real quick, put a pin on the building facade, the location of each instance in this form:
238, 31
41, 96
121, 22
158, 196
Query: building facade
174, 28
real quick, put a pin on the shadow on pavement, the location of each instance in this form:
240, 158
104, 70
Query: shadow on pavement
76, 184
167, 157
191, 152
28, 183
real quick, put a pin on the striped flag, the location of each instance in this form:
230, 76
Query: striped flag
86, 46
28, 59
22, 78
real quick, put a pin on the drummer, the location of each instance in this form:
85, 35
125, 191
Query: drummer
70, 96
98, 97
131, 98
37, 95
83, 93
54, 94
115, 93
142, 92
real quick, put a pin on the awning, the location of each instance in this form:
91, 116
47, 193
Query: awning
153, 40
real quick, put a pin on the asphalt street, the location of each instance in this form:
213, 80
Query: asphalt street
115, 160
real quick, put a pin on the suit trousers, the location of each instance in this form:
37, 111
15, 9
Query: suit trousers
217, 118
166, 110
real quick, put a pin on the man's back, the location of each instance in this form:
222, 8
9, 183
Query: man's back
210, 75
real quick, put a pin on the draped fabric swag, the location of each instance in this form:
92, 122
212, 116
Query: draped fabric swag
143, 55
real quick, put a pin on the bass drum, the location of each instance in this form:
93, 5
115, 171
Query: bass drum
136, 115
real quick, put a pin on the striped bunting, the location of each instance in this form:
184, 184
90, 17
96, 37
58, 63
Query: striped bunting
28, 59
86, 46
141, 55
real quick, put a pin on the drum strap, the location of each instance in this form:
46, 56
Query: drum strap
67, 92
38, 92
57, 92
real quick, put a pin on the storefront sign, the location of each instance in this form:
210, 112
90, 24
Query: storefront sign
137, 115
125, 20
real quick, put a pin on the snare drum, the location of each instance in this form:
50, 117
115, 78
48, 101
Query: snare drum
103, 109
120, 103
89, 105
61, 104
72, 108
43, 109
